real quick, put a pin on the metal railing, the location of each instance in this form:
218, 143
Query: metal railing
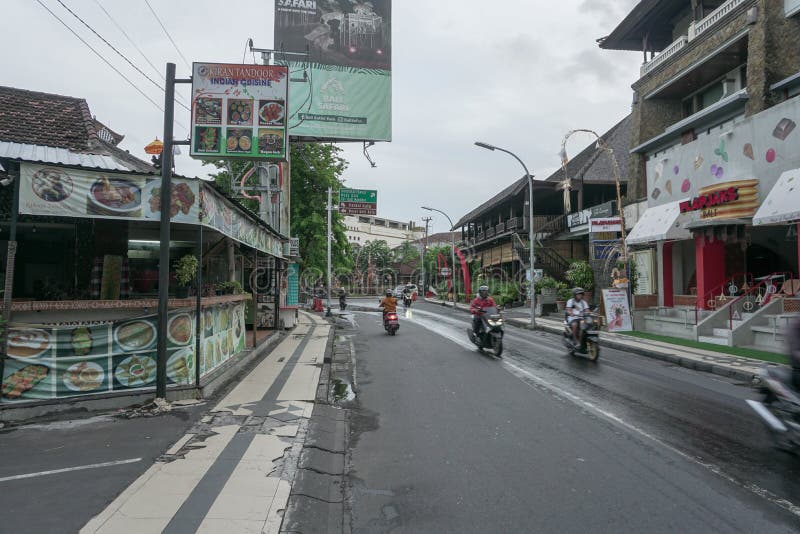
755, 297
722, 292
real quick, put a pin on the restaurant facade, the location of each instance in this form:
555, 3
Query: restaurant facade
79, 245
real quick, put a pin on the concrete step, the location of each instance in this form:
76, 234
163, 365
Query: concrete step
713, 340
722, 332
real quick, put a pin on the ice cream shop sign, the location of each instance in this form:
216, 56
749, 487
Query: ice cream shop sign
728, 201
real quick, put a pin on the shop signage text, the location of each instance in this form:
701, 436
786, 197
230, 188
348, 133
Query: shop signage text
608, 224
710, 200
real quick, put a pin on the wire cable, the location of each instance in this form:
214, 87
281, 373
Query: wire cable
178, 97
120, 54
171, 40
98, 54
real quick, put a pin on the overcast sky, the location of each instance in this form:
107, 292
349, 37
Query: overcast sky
514, 73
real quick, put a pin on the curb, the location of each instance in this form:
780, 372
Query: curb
688, 363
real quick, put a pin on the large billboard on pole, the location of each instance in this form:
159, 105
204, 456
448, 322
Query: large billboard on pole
342, 89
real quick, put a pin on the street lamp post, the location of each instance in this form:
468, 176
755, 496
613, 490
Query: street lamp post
530, 218
453, 264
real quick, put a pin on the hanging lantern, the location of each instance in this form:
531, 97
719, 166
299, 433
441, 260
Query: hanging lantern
156, 147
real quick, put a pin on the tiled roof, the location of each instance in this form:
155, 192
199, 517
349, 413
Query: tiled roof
59, 122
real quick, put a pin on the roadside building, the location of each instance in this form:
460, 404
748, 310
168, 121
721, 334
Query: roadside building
496, 233
361, 229
86, 215
715, 152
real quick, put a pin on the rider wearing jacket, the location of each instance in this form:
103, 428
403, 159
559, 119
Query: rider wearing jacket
389, 303
478, 304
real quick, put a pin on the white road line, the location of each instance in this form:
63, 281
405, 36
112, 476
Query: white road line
610, 416
69, 469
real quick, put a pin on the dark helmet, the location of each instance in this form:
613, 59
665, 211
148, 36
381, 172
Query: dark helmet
578, 291
483, 291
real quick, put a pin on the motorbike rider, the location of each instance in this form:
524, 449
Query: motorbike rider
478, 304
342, 297
389, 303
574, 311
794, 352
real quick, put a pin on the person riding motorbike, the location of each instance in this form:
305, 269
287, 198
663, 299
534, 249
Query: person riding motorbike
574, 311
793, 335
389, 303
478, 304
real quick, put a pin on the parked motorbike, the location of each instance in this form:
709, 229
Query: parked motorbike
588, 335
490, 335
391, 322
780, 409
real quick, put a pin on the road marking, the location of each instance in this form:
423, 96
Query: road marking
590, 406
69, 469
179, 444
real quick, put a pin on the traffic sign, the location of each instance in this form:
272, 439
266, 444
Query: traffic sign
358, 208
368, 196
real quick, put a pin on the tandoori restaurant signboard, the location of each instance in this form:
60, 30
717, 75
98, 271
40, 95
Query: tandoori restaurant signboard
49, 362
239, 111
62, 192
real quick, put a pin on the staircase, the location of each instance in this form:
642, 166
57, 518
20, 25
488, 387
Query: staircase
723, 336
550, 261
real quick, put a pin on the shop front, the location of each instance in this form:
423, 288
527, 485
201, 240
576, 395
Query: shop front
704, 192
85, 282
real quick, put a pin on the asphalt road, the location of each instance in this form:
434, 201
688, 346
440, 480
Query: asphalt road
444, 439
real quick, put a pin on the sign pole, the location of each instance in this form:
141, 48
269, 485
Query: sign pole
163, 263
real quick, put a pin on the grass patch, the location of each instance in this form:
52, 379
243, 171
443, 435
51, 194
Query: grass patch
755, 354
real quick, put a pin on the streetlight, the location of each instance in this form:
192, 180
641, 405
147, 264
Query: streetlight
528, 175
453, 265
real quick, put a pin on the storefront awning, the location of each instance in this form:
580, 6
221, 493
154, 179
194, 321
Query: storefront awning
782, 204
659, 223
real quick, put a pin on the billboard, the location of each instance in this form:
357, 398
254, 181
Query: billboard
239, 111
343, 89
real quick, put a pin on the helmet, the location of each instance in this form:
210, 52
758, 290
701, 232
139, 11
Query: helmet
578, 291
389, 293
483, 291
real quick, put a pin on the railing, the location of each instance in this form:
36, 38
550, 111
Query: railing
490, 233
699, 27
724, 291
552, 225
665, 54
500, 228
755, 297
513, 223
480, 236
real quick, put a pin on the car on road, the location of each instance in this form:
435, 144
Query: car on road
399, 290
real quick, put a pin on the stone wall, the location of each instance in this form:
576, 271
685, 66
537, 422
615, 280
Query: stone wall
773, 55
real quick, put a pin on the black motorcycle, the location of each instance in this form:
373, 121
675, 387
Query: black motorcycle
780, 409
407, 299
490, 334
588, 336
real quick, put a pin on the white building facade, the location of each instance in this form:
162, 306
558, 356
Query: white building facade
361, 229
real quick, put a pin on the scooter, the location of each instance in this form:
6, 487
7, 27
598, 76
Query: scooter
407, 300
780, 409
490, 335
391, 322
588, 334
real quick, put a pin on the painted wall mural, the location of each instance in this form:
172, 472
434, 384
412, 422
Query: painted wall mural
747, 154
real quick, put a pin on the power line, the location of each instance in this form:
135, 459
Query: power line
120, 54
130, 40
171, 40
98, 54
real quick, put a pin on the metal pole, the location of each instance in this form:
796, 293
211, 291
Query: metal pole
453, 271
198, 306
254, 290
424, 250
330, 212
277, 272
163, 265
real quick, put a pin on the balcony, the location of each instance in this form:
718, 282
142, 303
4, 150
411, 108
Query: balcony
500, 228
696, 30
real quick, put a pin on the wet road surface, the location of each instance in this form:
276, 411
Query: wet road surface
447, 440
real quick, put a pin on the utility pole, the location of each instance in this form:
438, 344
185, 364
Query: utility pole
330, 217
424, 250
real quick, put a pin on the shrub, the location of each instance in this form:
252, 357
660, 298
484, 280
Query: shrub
580, 274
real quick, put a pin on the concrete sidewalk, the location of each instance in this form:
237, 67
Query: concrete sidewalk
233, 471
739, 368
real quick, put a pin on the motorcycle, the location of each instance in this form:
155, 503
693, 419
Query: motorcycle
588, 334
490, 335
780, 409
407, 300
342, 302
391, 322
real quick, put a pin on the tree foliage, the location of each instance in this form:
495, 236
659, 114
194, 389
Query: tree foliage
405, 253
376, 253
315, 167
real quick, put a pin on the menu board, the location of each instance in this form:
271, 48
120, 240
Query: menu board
239, 111
46, 362
618, 310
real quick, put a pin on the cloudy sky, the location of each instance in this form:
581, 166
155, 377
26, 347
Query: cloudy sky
515, 73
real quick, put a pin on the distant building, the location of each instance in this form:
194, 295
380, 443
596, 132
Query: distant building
361, 229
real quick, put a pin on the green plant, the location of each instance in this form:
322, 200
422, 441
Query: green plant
547, 282
564, 293
186, 270
229, 288
580, 274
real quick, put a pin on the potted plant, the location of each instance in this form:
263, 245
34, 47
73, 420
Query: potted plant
564, 294
185, 274
580, 274
548, 288
229, 288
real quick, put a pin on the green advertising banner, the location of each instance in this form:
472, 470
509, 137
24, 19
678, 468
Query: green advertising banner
343, 88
